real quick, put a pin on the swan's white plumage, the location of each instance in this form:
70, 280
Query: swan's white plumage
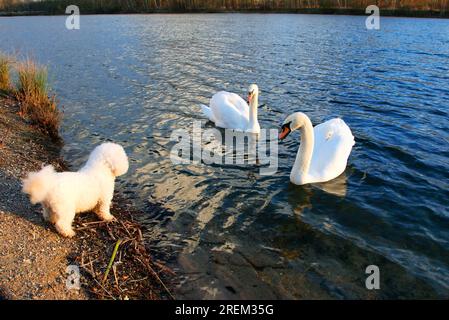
228, 110
324, 150
333, 144
207, 112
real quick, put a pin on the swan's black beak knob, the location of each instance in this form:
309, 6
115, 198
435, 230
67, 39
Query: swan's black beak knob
285, 131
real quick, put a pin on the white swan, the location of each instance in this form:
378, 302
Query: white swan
324, 150
228, 110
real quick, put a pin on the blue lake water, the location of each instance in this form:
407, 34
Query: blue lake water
230, 232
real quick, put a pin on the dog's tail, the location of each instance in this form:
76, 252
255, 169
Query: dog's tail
37, 184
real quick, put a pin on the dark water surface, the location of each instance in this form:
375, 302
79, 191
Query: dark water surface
233, 233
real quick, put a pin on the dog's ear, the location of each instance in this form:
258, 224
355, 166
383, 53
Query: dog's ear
116, 158
37, 184
119, 167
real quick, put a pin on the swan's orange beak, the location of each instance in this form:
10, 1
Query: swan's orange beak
248, 99
285, 131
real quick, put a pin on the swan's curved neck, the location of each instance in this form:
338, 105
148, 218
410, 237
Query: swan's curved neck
253, 110
301, 167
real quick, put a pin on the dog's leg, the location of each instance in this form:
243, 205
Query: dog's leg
64, 229
64, 224
103, 212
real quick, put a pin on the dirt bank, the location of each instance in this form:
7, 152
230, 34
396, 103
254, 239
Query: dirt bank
34, 258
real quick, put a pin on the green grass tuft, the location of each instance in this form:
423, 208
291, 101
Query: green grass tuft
35, 103
5, 66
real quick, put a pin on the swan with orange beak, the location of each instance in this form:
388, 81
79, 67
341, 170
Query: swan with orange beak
324, 149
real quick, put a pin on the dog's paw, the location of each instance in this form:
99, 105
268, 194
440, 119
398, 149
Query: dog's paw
109, 218
67, 233
64, 231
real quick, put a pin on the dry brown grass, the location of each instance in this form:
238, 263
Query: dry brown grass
5, 66
128, 273
34, 100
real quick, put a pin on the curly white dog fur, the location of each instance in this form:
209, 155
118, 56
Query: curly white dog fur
64, 194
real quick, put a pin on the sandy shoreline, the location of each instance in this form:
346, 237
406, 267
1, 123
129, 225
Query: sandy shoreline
34, 258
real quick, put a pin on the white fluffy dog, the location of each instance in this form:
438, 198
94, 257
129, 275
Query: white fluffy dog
64, 194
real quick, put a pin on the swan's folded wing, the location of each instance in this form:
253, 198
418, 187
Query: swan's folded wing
225, 112
234, 99
333, 144
240, 104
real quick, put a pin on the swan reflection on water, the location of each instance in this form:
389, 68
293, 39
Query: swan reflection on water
300, 196
337, 186
226, 147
